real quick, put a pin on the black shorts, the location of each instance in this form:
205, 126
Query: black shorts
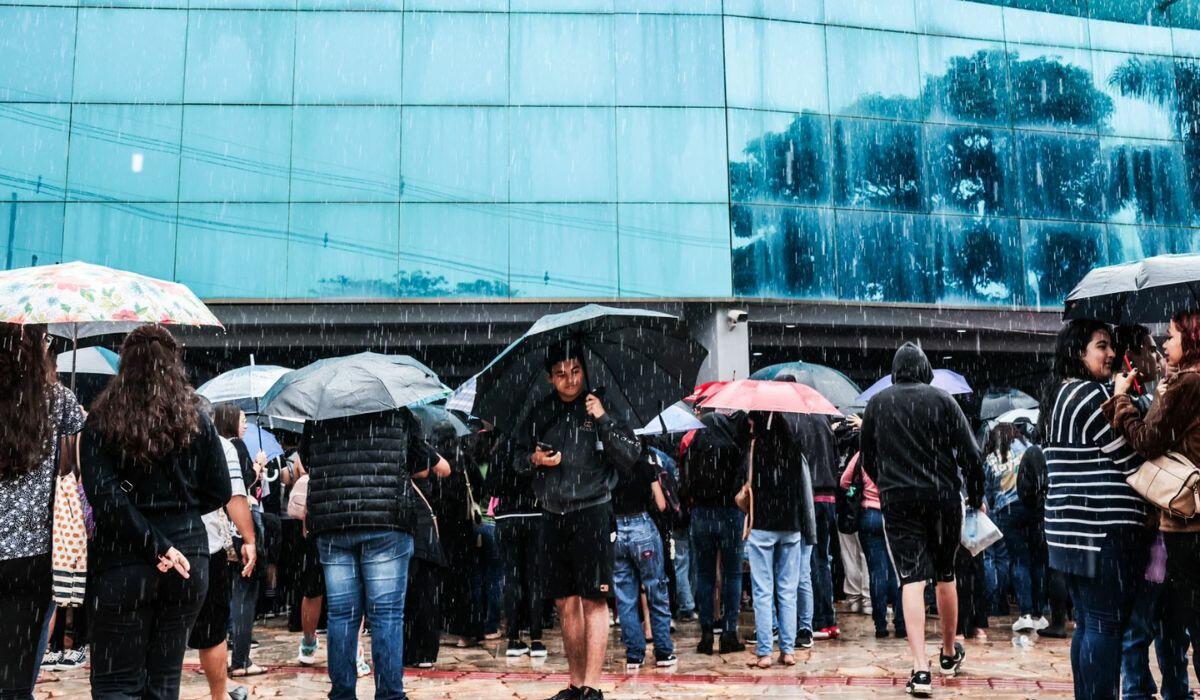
923, 537
213, 621
312, 576
579, 552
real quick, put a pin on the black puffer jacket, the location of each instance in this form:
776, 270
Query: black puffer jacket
359, 471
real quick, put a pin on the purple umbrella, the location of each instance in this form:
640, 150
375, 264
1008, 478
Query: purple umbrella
944, 379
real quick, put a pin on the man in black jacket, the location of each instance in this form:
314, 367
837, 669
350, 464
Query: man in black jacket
573, 448
915, 443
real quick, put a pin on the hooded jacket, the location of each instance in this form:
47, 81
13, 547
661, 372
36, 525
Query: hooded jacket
915, 439
712, 464
814, 436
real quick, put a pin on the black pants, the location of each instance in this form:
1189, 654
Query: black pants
25, 590
422, 613
522, 548
140, 621
972, 593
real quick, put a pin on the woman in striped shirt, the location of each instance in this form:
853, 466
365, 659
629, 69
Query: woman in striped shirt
1095, 522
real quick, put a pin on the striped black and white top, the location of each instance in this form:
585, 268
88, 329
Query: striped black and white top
1086, 463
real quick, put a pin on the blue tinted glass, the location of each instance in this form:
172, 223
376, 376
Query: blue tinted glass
1052, 28
33, 150
37, 48
1057, 256
872, 13
221, 4
1145, 181
778, 157
564, 250
1136, 87
674, 250
561, 5
885, 257
775, 65
562, 60
235, 154
347, 58
969, 169
1120, 36
1184, 15
240, 57
1132, 242
669, 60
981, 260
801, 10
877, 164
128, 152
964, 80
385, 5
130, 55
37, 231
346, 154
957, 18
783, 252
1128, 11
699, 7
1059, 175
218, 245
457, 5
347, 250
454, 154
1052, 88
671, 155
562, 154
454, 250
135, 237
455, 58
873, 73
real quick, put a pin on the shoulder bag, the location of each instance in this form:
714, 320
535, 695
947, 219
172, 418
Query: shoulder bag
1169, 482
849, 501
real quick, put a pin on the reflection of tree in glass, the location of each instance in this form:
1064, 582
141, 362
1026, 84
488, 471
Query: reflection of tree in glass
414, 284
788, 164
972, 260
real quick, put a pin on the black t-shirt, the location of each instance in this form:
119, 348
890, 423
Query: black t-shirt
632, 493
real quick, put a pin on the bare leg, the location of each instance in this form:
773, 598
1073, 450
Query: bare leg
647, 631
913, 596
570, 616
212, 660
595, 613
310, 615
947, 603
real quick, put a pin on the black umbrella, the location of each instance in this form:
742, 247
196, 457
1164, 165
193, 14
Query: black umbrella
430, 415
1000, 401
644, 360
1147, 291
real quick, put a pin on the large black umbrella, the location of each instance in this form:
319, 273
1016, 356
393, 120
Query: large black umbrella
836, 387
1147, 291
644, 360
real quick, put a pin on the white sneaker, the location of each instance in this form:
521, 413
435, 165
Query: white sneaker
1041, 623
363, 668
50, 660
1024, 623
71, 659
307, 652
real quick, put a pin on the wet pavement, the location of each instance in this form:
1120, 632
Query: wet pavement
855, 666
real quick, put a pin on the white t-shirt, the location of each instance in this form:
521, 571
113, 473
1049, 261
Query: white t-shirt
213, 523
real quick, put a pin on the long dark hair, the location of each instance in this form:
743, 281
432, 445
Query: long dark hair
1069, 347
1001, 438
149, 409
1188, 324
227, 418
24, 399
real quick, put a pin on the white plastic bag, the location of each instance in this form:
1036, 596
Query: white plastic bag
978, 531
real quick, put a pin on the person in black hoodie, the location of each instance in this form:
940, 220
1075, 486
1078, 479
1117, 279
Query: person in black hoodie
915, 443
813, 436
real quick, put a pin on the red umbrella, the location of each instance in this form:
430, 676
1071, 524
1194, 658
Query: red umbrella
704, 391
760, 395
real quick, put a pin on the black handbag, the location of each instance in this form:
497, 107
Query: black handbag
849, 503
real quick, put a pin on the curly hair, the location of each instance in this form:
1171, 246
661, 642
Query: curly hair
1188, 324
149, 409
25, 372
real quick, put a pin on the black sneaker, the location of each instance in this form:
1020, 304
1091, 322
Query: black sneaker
730, 643
665, 661
590, 694
881, 634
804, 639
901, 633
239, 692
568, 693
920, 684
632, 664
706, 643
950, 664
537, 650
516, 648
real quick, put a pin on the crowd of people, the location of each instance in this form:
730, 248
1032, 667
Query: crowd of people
377, 525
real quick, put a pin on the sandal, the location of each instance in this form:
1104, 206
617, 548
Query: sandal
251, 670
763, 662
787, 659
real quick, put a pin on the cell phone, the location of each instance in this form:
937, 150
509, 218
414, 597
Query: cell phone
546, 448
1137, 386
598, 392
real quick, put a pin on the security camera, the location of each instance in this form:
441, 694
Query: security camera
736, 316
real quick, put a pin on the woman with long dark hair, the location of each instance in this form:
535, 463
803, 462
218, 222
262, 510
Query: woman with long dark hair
1003, 457
152, 465
35, 413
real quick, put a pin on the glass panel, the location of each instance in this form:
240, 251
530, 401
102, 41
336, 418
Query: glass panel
775, 65
872, 13
135, 237
969, 170
125, 152
33, 151
457, 154
347, 58
1052, 88
671, 155
235, 154
564, 250
682, 7
37, 50
873, 74
214, 237
457, 5
964, 80
980, 259
1145, 181
345, 154
1139, 88
783, 252
130, 55
240, 57
1184, 15
800, 10
1059, 175
1048, 27
1118, 36
1057, 256
877, 164
454, 250
1129, 11
384, 5
973, 19
37, 231
777, 157
342, 250
561, 5
456, 58
1061, 7
562, 154
223, 4
1131, 242
562, 60
885, 257
674, 250
665, 60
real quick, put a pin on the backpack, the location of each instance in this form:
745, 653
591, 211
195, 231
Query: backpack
1032, 482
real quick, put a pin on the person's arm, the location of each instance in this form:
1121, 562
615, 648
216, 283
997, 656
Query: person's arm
421, 458
991, 484
866, 444
660, 500
1166, 422
238, 509
848, 472
110, 503
966, 452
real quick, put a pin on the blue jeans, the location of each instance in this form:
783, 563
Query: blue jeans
1154, 621
685, 573
638, 562
885, 587
1012, 561
487, 579
804, 589
243, 603
774, 573
822, 559
718, 530
366, 572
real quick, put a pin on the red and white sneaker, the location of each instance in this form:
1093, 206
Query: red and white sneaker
827, 633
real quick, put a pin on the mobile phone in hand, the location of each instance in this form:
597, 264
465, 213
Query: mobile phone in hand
548, 449
1137, 386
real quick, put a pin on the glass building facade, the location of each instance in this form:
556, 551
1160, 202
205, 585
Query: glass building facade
925, 151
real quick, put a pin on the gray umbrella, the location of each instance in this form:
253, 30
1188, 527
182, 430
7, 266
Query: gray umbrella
1147, 291
349, 386
429, 416
1000, 401
836, 387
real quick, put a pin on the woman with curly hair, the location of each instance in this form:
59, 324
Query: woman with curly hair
35, 412
153, 463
